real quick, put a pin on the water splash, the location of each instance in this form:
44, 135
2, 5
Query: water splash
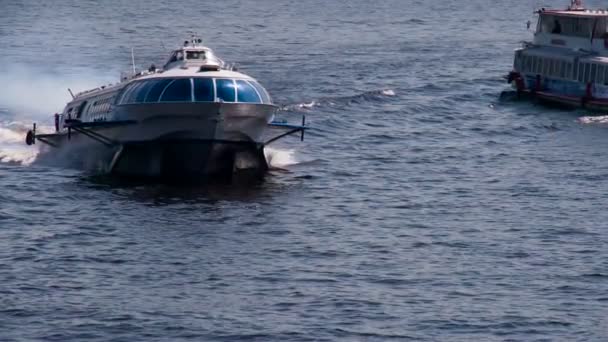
279, 158
28, 92
388, 92
368, 96
12, 142
601, 120
32, 95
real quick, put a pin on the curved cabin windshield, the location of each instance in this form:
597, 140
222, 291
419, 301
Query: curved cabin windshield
573, 26
199, 89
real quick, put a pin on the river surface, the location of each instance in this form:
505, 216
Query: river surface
421, 207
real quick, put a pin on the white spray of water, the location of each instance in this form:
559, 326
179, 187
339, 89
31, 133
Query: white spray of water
13, 148
388, 92
280, 158
594, 119
33, 92
29, 95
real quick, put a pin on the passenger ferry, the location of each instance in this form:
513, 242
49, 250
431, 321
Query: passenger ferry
567, 61
194, 117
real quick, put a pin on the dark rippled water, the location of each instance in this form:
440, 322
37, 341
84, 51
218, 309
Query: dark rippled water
420, 208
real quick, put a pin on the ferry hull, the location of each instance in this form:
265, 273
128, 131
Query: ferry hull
568, 94
188, 159
567, 101
173, 142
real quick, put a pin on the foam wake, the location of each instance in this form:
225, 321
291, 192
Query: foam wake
12, 144
280, 158
369, 96
599, 120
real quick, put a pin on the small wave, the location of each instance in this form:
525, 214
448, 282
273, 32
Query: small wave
602, 120
368, 96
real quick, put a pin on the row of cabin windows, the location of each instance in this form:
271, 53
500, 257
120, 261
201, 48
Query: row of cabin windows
194, 90
572, 26
101, 106
97, 107
584, 72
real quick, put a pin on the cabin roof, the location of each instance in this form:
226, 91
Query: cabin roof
193, 72
576, 14
553, 52
559, 53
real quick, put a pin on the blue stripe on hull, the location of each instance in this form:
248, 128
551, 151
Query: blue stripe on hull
558, 87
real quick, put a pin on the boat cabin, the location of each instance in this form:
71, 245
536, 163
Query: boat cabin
192, 54
574, 28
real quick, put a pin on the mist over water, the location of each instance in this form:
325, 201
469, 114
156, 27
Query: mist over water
421, 206
34, 92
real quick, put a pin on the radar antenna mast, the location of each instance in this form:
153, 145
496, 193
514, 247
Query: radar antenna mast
133, 61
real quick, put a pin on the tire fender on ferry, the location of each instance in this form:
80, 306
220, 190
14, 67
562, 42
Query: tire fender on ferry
30, 138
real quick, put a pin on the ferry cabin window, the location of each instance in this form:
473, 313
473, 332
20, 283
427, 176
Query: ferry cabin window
570, 26
177, 91
143, 91
226, 90
156, 89
550, 24
265, 97
600, 28
538, 66
195, 55
592, 76
81, 109
545, 67
568, 70
247, 93
200, 89
529, 63
176, 56
606, 75
557, 27
203, 90
587, 72
518, 62
129, 93
600, 74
